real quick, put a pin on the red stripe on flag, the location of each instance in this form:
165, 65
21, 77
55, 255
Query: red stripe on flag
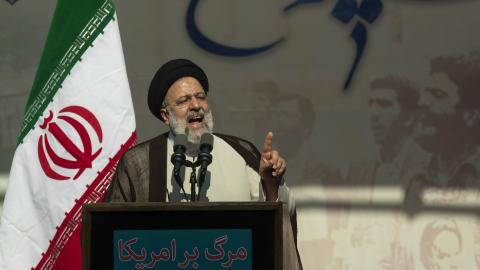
65, 245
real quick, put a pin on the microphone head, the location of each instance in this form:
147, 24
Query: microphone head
206, 142
180, 141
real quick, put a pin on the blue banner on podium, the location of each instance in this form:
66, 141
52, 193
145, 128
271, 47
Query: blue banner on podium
213, 249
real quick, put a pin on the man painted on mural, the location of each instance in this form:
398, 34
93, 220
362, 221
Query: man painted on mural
392, 104
290, 115
450, 124
393, 120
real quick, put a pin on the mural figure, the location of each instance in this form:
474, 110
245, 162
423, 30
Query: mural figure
371, 244
290, 115
450, 125
393, 119
393, 109
445, 244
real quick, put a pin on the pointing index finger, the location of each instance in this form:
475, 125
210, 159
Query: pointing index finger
267, 145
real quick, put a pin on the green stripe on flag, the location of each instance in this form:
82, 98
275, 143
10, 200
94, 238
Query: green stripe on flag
75, 25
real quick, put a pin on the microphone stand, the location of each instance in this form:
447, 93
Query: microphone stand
178, 159
204, 159
202, 171
193, 179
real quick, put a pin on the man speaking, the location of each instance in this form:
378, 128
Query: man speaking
238, 172
163, 169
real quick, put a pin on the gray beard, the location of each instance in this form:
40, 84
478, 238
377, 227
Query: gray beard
179, 126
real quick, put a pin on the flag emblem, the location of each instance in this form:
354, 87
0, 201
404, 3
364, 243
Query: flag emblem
81, 158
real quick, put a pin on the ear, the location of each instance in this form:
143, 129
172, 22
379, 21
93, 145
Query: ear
164, 116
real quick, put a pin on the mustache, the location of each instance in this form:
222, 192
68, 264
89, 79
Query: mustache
195, 114
430, 118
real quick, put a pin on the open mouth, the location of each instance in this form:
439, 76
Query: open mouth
195, 121
377, 127
426, 124
426, 129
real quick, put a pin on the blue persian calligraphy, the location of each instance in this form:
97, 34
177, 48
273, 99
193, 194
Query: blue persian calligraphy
211, 46
299, 3
344, 11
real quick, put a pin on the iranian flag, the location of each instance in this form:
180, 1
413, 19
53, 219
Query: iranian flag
78, 122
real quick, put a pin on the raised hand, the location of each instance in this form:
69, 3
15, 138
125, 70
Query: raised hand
272, 168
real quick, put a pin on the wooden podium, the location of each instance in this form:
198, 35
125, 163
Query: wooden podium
247, 235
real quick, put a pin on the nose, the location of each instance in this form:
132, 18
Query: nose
194, 104
374, 117
373, 107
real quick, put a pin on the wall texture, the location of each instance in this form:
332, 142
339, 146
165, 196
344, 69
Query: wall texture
374, 104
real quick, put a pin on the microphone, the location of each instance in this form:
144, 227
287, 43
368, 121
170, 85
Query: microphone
178, 157
204, 158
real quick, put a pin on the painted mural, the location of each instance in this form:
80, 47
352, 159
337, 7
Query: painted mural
375, 104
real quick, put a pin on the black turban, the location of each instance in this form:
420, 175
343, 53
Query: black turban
166, 76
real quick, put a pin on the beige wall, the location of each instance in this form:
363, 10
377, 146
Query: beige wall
356, 210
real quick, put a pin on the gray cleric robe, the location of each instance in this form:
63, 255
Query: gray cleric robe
141, 174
